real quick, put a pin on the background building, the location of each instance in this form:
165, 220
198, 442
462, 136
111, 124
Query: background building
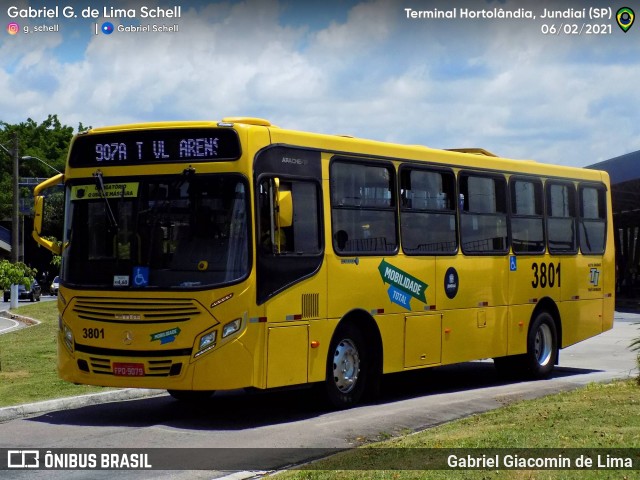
625, 191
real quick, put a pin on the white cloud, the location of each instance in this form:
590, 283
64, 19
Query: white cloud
501, 86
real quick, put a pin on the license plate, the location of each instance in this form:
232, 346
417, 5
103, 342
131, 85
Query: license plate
128, 369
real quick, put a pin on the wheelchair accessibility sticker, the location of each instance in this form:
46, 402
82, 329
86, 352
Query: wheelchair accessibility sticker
140, 276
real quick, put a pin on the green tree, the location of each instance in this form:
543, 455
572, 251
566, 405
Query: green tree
15, 274
48, 141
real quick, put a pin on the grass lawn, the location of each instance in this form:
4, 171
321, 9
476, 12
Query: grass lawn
28, 360
596, 416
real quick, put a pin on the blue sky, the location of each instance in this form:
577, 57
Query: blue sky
341, 66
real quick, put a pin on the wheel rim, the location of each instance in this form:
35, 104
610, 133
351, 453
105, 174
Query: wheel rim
543, 344
346, 366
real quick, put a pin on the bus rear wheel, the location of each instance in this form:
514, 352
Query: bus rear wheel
347, 367
542, 352
542, 347
191, 395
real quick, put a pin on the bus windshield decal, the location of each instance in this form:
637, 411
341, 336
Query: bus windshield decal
111, 190
155, 146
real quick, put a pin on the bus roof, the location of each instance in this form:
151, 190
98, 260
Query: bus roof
462, 157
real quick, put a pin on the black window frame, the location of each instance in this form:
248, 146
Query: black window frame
451, 211
464, 212
549, 217
602, 215
539, 215
276, 273
338, 233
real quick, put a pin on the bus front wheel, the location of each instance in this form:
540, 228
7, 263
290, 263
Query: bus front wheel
347, 371
191, 395
542, 347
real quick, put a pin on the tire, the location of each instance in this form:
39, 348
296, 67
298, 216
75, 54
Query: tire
348, 367
6, 297
542, 347
191, 395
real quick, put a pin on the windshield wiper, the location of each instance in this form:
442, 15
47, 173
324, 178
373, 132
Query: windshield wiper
100, 185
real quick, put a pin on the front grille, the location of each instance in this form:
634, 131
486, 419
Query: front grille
135, 310
152, 368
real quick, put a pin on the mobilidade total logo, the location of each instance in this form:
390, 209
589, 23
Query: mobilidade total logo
402, 286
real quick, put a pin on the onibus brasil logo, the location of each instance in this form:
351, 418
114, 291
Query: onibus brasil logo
402, 286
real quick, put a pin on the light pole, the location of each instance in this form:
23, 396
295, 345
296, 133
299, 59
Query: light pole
15, 211
15, 214
29, 157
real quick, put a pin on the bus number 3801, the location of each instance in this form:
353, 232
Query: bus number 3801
93, 333
545, 275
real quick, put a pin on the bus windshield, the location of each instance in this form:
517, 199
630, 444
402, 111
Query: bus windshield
181, 231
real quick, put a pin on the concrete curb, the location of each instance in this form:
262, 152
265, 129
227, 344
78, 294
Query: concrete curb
67, 403
20, 320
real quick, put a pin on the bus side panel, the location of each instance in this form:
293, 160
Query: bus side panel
305, 301
392, 332
609, 264
471, 334
590, 277
475, 314
519, 319
534, 277
423, 340
582, 276
287, 358
482, 281
376, 284
210, 373
581, 319
582, 294
320, 331
608, 308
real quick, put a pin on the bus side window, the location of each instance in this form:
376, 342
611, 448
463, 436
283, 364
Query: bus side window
561, 221
302, 237
483, 217
363, 213
527, 216
427, 211
593, 223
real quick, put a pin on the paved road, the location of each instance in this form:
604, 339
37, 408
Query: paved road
292, 419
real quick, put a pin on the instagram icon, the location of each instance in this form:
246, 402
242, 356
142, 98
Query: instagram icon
13, 28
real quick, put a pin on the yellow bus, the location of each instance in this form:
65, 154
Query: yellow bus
204, 256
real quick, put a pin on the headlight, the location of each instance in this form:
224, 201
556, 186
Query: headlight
231, 327
68, 337
207, 342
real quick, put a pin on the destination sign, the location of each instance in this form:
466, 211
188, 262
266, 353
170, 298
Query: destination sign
155, 146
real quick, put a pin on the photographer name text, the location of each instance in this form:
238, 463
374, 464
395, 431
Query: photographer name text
90, 12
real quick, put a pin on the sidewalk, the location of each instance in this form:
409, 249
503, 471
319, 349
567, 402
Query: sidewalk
67, 403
